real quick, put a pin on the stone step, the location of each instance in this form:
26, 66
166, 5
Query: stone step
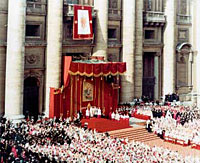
127, 130
136, 134
133, 133
135, 137
144, 140
124, 130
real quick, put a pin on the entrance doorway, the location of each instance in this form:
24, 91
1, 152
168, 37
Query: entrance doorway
31, 96
148, 76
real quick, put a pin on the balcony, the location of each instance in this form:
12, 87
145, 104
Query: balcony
154, 18
69, 10
115, 13
184, 19
37, 8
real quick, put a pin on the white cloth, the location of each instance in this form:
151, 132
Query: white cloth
87, 113
99, 112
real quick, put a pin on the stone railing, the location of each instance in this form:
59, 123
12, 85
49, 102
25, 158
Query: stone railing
69, 10
154, 16
115, 13
36, 8
184, 19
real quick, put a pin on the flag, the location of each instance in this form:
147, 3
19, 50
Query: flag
82, 25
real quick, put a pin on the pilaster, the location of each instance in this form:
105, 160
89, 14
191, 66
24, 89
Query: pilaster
138, 49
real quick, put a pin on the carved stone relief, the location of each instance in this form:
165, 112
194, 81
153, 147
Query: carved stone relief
112, 57
33, 60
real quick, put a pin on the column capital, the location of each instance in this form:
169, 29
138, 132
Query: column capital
14, 118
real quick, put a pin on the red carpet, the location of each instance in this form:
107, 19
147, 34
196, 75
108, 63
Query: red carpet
196, 146
103, 125
141, 116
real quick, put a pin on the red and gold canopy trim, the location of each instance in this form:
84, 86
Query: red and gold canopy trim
98, 69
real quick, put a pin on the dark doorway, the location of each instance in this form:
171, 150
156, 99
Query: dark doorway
148, 76
31, 96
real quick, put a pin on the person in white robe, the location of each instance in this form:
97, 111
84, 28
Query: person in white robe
99, 113
87, 114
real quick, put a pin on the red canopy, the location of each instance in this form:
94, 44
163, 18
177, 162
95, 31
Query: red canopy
69, 99
97, 69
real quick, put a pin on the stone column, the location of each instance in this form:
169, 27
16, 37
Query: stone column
156, 74
54, 48
15, 59
190, 59
139, 49
3, 37
101, 28
128, 41
196, 33
169, 52
2, 77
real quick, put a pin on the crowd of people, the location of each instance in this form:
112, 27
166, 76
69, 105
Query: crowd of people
188, 133
179, 112
181, 125
93, 111
57, 140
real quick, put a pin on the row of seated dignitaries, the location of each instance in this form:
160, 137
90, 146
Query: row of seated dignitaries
57, 140
93, 111
171, 128
179, 112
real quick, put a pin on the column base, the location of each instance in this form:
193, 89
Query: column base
45, 114
15, 118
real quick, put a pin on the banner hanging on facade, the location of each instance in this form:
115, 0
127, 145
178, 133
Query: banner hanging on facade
82, 25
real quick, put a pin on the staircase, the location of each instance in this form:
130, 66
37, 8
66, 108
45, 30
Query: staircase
136, 134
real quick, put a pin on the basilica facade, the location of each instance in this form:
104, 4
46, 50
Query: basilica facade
158, 40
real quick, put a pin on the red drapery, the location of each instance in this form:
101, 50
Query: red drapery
66, 66
97, 69
82, 79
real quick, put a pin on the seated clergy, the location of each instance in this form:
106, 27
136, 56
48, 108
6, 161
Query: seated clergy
91, 112
87, 114
113, 116
95, 111
99, 113
117, 116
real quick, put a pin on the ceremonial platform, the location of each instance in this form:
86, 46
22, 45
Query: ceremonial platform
104, 125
